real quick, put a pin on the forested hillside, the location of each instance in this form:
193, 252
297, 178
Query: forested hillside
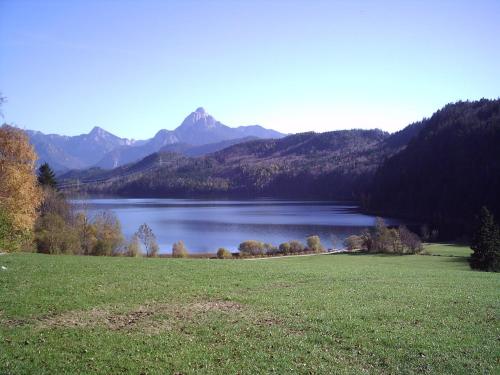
333, 165
448, 171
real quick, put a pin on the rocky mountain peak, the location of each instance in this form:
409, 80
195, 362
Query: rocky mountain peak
198, 119
96, 130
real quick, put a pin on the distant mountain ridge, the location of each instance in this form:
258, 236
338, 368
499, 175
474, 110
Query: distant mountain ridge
75, 152
331, 165
105, 150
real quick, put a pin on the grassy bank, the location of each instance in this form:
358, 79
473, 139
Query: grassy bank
318, 314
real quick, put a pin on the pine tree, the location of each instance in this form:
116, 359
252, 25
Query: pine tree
486, 243
46, 176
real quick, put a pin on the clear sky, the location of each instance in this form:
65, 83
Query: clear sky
134, 67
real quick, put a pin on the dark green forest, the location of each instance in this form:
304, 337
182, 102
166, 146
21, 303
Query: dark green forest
447, 172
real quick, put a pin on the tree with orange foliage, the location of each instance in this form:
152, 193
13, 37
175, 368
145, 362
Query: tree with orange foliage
20, 195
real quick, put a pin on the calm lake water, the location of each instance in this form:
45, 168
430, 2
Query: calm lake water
206, 225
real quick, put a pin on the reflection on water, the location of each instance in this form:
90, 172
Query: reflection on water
206, 225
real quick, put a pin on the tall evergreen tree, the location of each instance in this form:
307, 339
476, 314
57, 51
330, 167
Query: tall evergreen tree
486, 243
46, 176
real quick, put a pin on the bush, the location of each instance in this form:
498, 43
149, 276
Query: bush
381, 238
109, 237
154, 249
411, 243
285, 248
251, 247
224, 253
86, 233
179, 250
354, 242
133, 248
270, 249
386, 240
54, 235
9, 241
314, 244
296, 247
392, 240
59, 229
55, 202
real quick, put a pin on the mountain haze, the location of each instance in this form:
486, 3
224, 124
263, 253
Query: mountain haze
75, 152
104, 150
198, 128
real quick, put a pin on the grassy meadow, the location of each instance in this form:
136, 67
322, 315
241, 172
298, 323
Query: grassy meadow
324, 314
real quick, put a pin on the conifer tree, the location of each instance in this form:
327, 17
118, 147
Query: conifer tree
46, 176
486, 243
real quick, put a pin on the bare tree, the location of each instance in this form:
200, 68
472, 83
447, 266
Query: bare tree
148, 239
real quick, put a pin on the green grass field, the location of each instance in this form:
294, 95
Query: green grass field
313, 315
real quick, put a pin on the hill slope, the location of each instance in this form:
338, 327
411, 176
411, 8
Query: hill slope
448, 171
333, 165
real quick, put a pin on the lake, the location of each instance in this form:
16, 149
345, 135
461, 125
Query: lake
206, 225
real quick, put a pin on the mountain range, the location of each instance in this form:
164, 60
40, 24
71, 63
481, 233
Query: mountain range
198, 134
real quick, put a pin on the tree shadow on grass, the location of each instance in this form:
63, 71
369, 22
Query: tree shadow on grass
363, 253
454, 258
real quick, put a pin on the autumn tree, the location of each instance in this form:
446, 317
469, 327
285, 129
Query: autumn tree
314, 244
133, 248
251, 247
55, 235
20, 195
223, 253
382, 237
108, 234
284, 248
179, 250
354, 242
296, 247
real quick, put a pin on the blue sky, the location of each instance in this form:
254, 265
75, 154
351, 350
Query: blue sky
134, 67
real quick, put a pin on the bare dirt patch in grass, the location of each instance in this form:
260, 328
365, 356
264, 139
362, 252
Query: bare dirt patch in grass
150, 318
154, 318
224, 306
